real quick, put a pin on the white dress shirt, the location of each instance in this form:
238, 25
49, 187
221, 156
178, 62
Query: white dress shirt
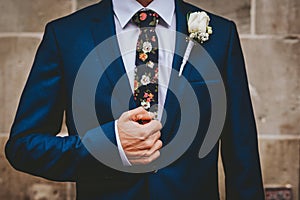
127, 35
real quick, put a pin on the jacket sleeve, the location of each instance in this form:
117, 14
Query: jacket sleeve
33, 146
239, 148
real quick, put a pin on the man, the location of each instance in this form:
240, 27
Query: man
49, 92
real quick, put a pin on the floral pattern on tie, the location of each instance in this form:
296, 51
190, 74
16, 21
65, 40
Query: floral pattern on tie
146, 71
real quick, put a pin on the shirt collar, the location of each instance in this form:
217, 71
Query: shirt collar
125, 9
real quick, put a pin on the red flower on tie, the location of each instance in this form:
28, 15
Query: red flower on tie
143, 16
136, 84
155, 15
143, 57
151, 96
153, 39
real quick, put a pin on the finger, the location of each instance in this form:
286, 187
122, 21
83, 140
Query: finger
157, 146
131, 114
155, 136
145, 116
150, 128
135, 144
145, 153
146, 144
145, 161
127, 127
151, 140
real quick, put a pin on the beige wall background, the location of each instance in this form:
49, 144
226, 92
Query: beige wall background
269, 31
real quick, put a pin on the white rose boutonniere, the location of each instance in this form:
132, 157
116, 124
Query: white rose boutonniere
199, 31
198, 26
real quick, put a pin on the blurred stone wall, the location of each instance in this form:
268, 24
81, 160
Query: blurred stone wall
269, 32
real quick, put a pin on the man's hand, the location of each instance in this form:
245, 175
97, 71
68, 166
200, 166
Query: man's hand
140, 142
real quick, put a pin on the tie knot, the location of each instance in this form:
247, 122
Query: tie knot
145, 18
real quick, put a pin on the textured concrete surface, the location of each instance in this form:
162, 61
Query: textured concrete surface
278, 16
237, 10
280, 162
84, 3
273, 68
17, 185
30, 16
16, 57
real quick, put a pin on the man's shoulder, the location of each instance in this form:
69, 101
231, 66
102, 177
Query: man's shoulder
82, 16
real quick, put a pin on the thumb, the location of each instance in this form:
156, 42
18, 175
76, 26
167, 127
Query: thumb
140, 114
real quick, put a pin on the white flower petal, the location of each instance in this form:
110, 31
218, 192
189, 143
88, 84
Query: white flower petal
147, 47
198, 22
145, 104
150, 64
145, 80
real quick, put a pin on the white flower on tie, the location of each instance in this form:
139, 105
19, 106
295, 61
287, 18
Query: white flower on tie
145, 80
150, 64
145, 104
147, 47
199, 30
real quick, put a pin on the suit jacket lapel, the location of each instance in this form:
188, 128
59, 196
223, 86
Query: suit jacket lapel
172, 107
103, 28
103, 32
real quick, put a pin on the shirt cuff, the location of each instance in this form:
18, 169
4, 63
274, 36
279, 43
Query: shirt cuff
123, 156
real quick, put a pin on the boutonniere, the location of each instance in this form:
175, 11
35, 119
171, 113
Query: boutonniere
199, 31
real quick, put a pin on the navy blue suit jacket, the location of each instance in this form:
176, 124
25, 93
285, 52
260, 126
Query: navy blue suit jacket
34, 148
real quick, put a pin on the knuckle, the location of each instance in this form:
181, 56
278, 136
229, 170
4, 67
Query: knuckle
159, 125
148, 143
143, 136
150, 131
147, 154
147, 132
160, 144
140, 109
121, 118
140, 155
156, 125
124, 115
158, 134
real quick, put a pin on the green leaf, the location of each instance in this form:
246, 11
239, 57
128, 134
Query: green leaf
188, 16
152, 23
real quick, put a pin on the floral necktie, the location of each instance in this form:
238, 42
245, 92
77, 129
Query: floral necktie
146, 71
